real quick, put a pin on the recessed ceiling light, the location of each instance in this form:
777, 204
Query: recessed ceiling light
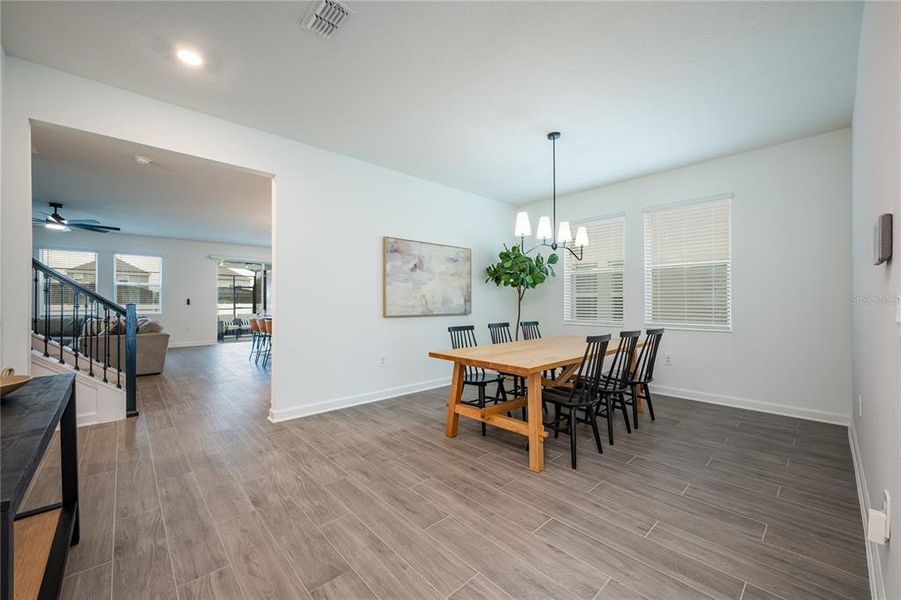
189, 57
142, 160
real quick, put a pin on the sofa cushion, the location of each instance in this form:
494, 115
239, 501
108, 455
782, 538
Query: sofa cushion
149, 327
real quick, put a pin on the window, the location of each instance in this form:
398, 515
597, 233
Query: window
688, 265
76, 265
139, 281
593, 287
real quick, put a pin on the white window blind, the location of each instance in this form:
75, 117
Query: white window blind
688, 265
139, 281
593, 287
77, 265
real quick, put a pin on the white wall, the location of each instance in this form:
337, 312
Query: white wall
876, 433
329, 214
789, 350
187, 272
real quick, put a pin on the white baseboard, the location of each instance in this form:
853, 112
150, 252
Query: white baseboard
874, 567
758, 405
277, 416
192, 344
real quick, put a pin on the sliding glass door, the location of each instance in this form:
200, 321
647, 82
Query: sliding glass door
244, 290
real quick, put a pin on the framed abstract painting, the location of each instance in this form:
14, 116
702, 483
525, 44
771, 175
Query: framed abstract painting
425, 280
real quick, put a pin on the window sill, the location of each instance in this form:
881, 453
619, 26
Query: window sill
688, 328
594, 323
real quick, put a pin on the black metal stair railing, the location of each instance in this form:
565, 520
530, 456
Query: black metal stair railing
87, 336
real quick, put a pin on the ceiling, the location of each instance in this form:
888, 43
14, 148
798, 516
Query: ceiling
175, 196
463, 93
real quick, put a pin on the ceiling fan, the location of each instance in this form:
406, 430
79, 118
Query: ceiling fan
61, 223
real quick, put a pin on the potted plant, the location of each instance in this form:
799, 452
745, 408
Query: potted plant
518, 270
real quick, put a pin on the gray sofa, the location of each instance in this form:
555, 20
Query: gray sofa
152, 342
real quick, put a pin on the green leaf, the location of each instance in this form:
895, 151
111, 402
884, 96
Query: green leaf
552, 259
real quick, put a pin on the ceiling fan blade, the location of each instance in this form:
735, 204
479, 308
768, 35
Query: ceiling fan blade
96, 228
84, 222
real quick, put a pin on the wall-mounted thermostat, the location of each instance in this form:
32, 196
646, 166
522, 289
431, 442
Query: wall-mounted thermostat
882, 239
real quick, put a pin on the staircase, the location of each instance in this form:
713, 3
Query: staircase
75, 329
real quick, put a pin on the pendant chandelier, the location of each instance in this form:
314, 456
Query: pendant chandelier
546, 226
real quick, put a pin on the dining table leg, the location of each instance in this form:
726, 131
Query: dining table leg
456, 394
536, 425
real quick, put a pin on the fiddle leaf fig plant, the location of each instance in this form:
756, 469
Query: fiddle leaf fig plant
518, 270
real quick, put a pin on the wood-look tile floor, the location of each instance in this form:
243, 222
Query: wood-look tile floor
201, 497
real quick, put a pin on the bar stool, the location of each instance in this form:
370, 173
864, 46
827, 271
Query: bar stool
267, 330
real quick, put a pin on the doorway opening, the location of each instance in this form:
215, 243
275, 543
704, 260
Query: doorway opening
244, 292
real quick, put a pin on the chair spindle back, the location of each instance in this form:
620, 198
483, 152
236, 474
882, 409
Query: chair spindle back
464, 336
530, 330
500, 333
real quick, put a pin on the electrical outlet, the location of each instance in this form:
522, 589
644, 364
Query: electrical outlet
859, 406
383, 362
668, 359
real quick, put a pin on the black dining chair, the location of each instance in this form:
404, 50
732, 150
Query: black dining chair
464, 336
644, 374
500, 334
530, 330
583, 394
617, 381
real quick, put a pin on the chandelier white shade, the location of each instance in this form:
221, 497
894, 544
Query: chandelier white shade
545, 232
523, 226
581, 237
564, 235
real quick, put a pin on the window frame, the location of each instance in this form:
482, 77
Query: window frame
82, 250
729, 198
620, 216
96, 255
116, 284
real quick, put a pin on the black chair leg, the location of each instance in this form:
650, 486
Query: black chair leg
622, 406
610, 419
635, 406
592, 418
647, 397
556, 420
482, 405
572, 435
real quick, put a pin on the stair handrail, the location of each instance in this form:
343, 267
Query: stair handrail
129, 311
80, 287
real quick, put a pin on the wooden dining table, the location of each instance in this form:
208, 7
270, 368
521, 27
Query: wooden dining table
527, 359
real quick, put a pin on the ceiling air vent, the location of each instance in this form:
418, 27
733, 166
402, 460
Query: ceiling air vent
325, 17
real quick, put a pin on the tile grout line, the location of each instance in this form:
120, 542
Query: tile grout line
606, 583
743, 588
202, 497
382, 540
159, 502
344, 558
651, 529
543, 524
465, 583
115, 512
